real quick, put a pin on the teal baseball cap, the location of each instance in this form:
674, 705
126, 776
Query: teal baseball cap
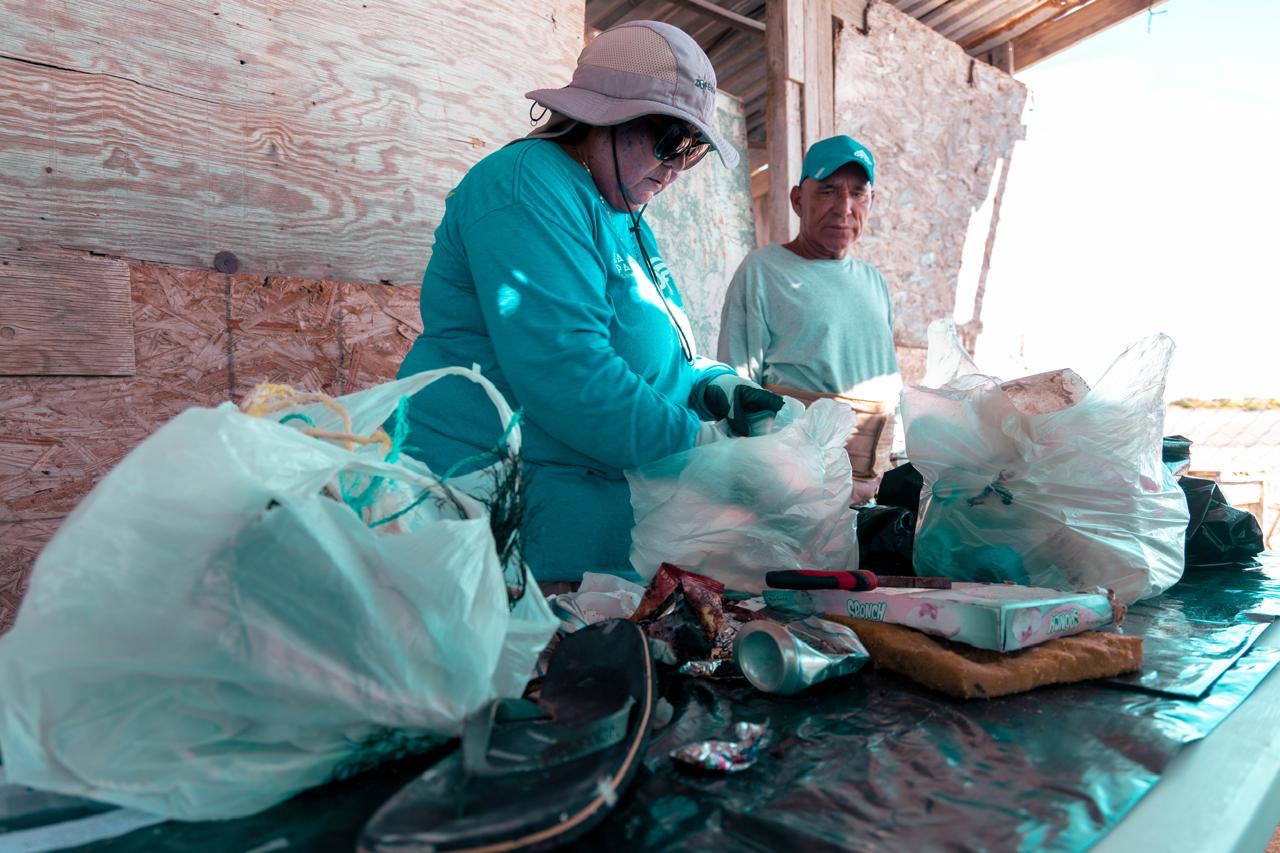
827, 155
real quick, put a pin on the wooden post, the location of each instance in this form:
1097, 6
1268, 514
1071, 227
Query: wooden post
819, 74
784, 47
1002, 57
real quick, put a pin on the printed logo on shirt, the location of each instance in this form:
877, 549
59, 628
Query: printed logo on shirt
621, 267
664, 274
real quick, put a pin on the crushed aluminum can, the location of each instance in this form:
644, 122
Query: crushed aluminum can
725, 756
787, 658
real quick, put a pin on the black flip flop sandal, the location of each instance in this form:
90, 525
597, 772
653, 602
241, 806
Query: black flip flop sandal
534, 776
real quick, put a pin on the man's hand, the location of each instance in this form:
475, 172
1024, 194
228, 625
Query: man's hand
746, 406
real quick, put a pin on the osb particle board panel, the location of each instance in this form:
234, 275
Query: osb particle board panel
64, 314
324, 336
202, 338
311, 139
20, 542
938, 123
704, 227
60, 436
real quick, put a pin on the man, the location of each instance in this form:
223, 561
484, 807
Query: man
807, 319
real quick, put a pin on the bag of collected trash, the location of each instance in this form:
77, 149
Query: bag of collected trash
733, 510
1069, 499
1218, 532
248, 606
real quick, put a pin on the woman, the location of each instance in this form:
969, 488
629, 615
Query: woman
545, 276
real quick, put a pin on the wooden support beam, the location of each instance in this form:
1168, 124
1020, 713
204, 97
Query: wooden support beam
631, 10
784, 47
733, 19
743, 80
1002, 57
1061, 33
65, 314
819, 73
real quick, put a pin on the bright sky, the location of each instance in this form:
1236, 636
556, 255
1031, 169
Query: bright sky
1145, 198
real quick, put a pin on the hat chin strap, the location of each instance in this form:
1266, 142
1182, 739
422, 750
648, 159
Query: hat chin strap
685, 347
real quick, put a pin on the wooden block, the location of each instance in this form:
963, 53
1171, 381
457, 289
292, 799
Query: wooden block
64, 314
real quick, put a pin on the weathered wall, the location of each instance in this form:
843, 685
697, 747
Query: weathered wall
200, 338
704, 227
938, 122
312, 139
315, 140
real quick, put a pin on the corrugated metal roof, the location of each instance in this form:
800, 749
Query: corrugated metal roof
1011, 34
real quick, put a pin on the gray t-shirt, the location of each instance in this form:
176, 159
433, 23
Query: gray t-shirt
824, 326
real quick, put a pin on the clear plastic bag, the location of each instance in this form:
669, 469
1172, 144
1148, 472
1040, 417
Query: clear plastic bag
733, 510
1069, 499
210, 631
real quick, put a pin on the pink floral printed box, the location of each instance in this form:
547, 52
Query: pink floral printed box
1000, 617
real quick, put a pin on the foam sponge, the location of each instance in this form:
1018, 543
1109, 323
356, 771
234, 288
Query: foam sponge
971, 673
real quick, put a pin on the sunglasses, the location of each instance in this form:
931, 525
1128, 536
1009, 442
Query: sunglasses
677, 141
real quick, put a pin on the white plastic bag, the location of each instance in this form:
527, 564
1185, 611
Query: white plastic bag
1070, 499
735, 509
209, 632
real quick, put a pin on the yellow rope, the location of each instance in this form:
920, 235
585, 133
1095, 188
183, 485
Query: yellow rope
270, 397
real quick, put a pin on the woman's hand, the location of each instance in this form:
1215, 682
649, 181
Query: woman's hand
748, 408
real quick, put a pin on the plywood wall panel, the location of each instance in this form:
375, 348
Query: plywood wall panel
314, 139
938, 122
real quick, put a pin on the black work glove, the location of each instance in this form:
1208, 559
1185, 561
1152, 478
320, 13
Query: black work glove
748, 408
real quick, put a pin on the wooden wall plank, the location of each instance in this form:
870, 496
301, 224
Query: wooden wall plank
314, 139
64, 314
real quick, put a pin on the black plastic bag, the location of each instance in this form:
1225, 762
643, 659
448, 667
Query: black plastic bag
885, 537
1217, 532
901, 487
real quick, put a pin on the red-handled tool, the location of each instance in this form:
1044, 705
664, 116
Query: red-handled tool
857, 580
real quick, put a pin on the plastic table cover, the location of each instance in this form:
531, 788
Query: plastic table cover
868, 762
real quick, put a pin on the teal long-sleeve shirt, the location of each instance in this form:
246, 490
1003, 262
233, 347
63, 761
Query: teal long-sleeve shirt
537, 280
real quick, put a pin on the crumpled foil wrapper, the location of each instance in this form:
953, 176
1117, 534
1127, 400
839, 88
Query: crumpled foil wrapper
725, 756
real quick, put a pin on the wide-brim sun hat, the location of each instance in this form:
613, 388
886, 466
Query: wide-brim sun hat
636, 69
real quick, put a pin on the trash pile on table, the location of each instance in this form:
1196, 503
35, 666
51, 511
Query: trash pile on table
263, 598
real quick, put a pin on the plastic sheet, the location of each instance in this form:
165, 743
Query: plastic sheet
1198, 629
866, 763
